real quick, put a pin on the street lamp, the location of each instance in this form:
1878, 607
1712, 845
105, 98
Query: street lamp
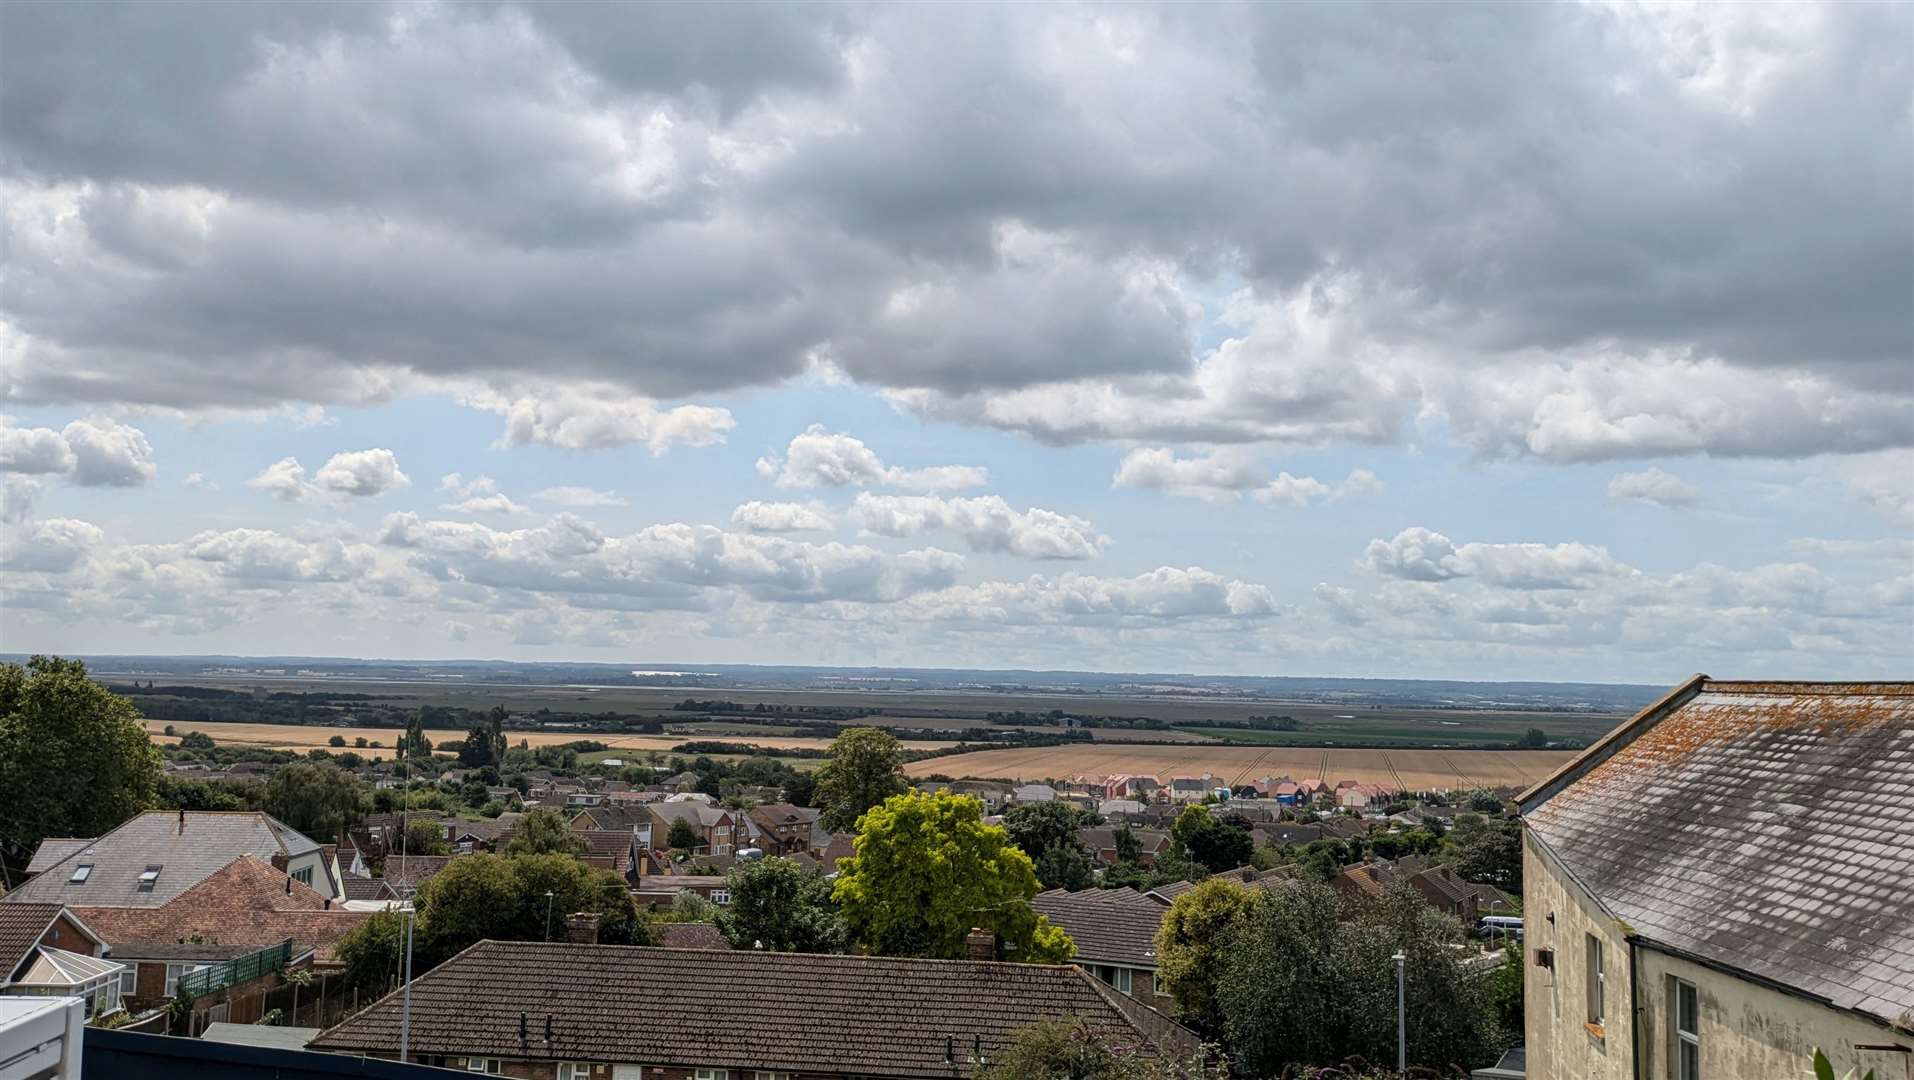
1402, 1023
548, 915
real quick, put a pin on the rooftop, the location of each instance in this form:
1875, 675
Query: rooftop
839, 1014
1766, 827
245, 905
184, 848
1110, 926
21, 927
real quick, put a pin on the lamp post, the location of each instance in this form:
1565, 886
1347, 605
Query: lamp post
1402, 1022
405, 998
548, 915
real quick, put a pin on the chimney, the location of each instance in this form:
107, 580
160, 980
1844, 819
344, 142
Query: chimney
182, 819
582, 928
980, 945
279, 861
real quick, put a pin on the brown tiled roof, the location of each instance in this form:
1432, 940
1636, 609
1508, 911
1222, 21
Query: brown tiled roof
245, 904
1764, 827
413, 870
691, 935
1110, 926
359, 887
856, 1015
612, 816
609, 844
21, 927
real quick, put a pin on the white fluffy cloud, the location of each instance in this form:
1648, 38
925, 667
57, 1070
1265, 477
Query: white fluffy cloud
986, 523
578, 498
95, 452
363, 473
1654, 486
51, 546
821, 458
782, 517
1167, 593
601, 417
479, 495
1419, 554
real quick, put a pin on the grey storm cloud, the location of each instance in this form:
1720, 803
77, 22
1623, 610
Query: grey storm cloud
1010, 216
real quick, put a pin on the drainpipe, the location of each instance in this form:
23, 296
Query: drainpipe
1634, 1011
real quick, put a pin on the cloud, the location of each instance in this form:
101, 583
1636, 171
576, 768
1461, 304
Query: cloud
95, 452
782, 517
598, 418
1655, 487
52, 546
986, 523
1884, 483
356, 473
821, 458
479, 495
456, 630
199, 481
1162, 595
579, 497
1419, 554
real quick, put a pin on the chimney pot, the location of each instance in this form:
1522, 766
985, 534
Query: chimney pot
980, 945
182, 819
582, 928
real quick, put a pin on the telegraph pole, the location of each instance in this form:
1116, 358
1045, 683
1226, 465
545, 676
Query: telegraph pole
1402, 1024
405, 999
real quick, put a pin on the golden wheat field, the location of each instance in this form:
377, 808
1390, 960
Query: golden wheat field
294, 737
1402, 769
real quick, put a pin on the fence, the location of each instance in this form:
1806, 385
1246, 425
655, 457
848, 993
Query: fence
198, 984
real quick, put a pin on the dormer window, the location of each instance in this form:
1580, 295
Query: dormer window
147, 878
80, 874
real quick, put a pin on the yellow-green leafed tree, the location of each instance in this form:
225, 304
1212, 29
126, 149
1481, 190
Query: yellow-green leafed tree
928, 871
1192, 945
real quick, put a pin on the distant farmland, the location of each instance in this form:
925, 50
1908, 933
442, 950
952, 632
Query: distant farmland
1405, 769
301, 738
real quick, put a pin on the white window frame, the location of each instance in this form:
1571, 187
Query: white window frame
303, 875
574, 1070
1596, 979
130, 980
80, 874
488, 1066
762, 1075
721, 896
711, 1074
1688, 1036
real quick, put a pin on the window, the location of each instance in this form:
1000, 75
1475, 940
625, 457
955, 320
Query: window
81, 873
129, 980
1118, 977
489, 1066
721, 896
1687, 1027
711, 1074
1597, 981
303, 876
574, 1070
149, 877
770, 1076
173, 972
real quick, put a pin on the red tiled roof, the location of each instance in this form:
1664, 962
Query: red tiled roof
245, 904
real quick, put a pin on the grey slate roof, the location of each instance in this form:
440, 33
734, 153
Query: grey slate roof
1767, 827
1110, 926
187, 856
838, 1015
52, 850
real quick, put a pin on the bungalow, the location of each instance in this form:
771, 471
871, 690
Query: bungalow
1101, 842
1033, 793
46, 951
157, 855
539, 1009
1115, 934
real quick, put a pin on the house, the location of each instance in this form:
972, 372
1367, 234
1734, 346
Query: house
46, 951
1721, 885
690, 935
1189, 789
612, 849
405, 873
485, 834
1101, 841
526, 1008
718, 829
157, 855
1438, 886
1120, 808
242, 926
783, 829
1025, 794
657, 892
1115, 932
993, 796
682, 782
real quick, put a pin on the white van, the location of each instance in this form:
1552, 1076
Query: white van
1491, 926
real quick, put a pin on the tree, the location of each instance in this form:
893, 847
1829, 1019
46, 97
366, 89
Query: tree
175, 793
682, 836
1279, 987
1488, 852
1047, 832
1533, 739
320, 800
359, 742
927, 870
780, 906
336, 740
1128, 850
78, 748
1217, 845
866, 767
474, 793
800, 788
196, 740
503, 898
414, 744
1504, 991
425, 837
1067, 1049
372, 952
1192, 945
544, 832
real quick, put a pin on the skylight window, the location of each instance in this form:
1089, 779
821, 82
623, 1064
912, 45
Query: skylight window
80, 874
148, 876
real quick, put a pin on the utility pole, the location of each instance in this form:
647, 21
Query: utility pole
405, 1001
548, 915
1402, 1022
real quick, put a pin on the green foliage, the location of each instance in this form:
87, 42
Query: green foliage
414, 744
682, 836
544, 831
473, 793
1487, 851
1310, 980
1504, 991
1217, 845
866, 768
1824, 1069
1067, 1049
76, 748
1482, 801
781, 906
1047, 832
1191, 947
689, 907
196, 740
177, 793
1533, 739
319, 799
373, 952
336, 740
928, 870
425, 836
1128, 849
503, 898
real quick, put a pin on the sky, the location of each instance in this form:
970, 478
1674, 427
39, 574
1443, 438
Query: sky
1553, 341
